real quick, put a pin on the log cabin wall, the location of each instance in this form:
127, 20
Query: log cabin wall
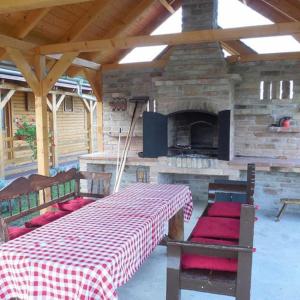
72, 133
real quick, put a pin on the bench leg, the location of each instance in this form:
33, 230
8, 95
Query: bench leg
176, 226
281, 211
173, 273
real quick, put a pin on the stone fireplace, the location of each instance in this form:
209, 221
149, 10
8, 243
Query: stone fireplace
193, 89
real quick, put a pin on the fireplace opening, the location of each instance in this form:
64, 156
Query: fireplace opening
190, 133
193, 133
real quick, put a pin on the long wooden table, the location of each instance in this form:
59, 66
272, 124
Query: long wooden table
88, 254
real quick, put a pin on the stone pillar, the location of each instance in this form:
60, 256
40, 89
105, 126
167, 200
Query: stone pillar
199, 14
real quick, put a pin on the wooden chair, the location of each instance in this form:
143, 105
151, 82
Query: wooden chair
234, 190
236, 284
26, 196
285, 202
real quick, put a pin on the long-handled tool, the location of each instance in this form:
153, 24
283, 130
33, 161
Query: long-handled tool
118, 152
138, 108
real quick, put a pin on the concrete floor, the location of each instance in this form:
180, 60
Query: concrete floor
276, 265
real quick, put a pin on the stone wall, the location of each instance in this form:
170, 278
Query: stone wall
272, 186
124, 84
254, 116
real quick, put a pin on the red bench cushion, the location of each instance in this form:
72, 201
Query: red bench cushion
191, 261
74, 204
216, 227
45, 218
225, 209
14, 232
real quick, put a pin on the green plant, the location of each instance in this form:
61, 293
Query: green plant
26, 129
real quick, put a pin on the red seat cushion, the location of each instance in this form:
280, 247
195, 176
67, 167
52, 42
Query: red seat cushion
45, 218
225, 209
74, 204
192, 261
14, 232
216, 227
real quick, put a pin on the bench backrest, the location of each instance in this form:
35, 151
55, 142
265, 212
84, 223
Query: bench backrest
227, 190
25, 196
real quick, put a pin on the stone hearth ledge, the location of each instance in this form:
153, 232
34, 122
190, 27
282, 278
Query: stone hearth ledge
196, 166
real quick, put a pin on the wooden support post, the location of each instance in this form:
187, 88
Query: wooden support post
54, 132
2, 155
41, 83
4, 99
41, 118
91, 125
95, 80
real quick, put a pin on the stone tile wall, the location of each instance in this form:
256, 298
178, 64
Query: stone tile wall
254, 116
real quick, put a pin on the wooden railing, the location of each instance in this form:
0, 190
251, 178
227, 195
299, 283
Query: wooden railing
17, 152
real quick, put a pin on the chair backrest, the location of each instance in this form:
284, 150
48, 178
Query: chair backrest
250, 183
234, 190
98, 184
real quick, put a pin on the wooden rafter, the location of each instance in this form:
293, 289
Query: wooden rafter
121, 27
94, 80
168, 6
237, 48
267, 11
85, 21
286, 8
201, 36
58, 69
8, 6
29, 22
264, 57
20, 61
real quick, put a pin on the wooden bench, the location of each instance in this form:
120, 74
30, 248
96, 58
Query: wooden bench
285, 202
37, 193
181, 274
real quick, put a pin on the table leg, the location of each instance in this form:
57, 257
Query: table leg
176, 226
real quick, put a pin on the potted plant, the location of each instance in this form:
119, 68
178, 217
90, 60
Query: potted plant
26, 131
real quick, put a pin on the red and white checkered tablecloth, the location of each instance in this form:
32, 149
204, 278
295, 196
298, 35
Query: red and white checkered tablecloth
89, 253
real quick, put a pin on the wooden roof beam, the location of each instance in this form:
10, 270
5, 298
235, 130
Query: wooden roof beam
8, 41
237, 48
194, 37
264, 57
8, 6
140, 65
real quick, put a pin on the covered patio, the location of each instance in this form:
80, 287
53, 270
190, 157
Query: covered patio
164, 107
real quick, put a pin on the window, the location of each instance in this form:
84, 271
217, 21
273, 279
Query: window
68, 104
29, 102
276, 89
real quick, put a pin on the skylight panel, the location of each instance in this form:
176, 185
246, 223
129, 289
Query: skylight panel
233, 13
144, 54
275, 44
